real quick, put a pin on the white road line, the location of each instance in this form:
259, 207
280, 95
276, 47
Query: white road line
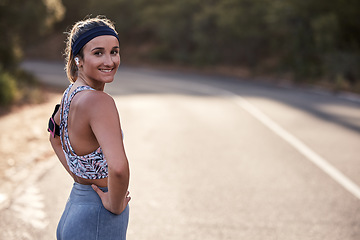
301, 147
312, 156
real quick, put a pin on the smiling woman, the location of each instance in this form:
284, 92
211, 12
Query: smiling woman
84, 33
88, 141
99, 61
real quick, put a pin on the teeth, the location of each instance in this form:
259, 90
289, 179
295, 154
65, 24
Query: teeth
106, 70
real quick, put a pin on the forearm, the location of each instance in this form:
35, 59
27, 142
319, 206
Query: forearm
118, 183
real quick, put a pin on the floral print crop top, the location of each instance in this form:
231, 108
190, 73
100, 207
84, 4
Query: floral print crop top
90, 166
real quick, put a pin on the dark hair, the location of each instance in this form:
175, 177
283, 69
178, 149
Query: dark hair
78, 29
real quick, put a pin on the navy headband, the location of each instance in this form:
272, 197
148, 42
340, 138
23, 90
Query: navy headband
89, 35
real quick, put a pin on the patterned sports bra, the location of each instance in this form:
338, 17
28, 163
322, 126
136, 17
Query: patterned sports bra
90, 166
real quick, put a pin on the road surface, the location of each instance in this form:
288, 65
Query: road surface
215, 157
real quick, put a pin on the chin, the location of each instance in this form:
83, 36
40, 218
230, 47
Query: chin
106, 79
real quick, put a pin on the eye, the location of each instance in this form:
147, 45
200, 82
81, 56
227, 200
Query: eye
114, 52
98, 53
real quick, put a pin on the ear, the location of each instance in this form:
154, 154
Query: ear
78, 61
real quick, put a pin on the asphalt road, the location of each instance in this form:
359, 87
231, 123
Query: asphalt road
215, 157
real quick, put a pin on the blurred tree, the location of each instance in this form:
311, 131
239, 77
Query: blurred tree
171, 25
311, 39
121, 12
75, 11
243, 31
22, 22
317, 38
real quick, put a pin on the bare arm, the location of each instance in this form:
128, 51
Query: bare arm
105, 124
56, 145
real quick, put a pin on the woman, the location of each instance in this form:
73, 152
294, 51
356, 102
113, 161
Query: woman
88, 142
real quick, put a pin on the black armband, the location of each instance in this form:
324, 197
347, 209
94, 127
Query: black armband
53, 128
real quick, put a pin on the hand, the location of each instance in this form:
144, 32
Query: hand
105, 199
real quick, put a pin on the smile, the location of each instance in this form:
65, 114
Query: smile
106, 70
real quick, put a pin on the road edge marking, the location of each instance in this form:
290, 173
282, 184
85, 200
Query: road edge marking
315, 158
301, 147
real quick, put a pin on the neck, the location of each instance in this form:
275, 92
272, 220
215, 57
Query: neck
81, 80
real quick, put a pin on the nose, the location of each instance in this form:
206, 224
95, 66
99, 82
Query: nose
108, 61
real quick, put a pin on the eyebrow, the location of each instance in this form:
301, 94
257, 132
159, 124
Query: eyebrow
101, 48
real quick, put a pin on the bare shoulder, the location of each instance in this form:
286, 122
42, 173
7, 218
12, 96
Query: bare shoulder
97, 102
97, 97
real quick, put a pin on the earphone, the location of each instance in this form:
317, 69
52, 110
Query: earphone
77, 60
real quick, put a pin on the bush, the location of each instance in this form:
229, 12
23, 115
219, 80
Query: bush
309, 41
8, 89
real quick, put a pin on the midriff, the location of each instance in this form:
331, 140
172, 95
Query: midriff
103, 182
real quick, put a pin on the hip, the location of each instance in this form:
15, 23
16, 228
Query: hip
85, 217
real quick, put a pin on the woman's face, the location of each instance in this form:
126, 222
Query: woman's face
101, 60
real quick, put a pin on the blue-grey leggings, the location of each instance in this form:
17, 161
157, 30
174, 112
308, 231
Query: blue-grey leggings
85, 217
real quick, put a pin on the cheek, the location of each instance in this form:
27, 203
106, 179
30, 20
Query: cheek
93, 64
91, 61
117, 60
89, 67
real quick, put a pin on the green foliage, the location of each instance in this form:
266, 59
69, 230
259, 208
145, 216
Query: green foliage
317, 39
23, 22
311, 39
19, 87
8, 89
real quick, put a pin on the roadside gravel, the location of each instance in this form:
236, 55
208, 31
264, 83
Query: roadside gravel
24, 147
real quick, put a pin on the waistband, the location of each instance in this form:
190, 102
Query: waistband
85, 194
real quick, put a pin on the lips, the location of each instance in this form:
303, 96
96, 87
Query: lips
106, 70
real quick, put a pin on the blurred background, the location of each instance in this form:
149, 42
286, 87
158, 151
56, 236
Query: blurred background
241, 117
311, 42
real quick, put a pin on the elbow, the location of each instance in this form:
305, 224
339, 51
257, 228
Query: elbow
120, 171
